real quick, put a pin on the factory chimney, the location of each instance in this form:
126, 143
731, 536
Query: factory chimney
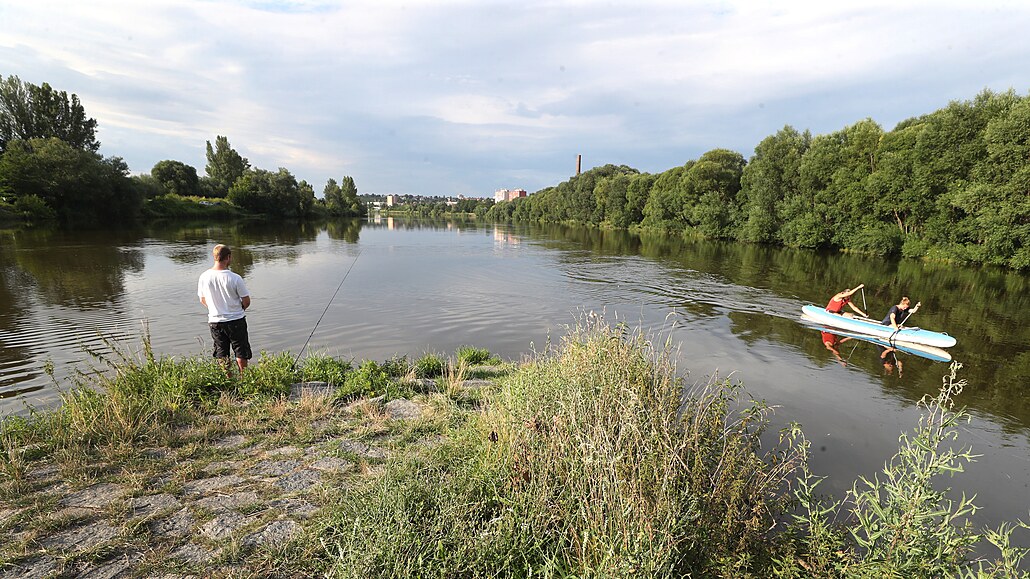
579, 163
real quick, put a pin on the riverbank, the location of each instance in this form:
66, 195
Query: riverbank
587, 460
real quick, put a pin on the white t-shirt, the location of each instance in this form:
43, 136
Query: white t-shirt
223, 291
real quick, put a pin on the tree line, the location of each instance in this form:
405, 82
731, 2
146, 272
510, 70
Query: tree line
50, 170
953, 184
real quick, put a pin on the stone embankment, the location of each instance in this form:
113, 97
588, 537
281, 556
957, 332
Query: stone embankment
218, 498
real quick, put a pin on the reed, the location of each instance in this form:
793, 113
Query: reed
587, 462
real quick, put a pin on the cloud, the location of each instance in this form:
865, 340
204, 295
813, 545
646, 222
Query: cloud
438, 97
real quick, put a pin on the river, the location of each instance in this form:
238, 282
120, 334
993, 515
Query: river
731, 310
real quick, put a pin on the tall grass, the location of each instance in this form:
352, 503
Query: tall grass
588, 462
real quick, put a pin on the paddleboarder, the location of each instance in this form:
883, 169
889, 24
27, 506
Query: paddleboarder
899, 313
840, 299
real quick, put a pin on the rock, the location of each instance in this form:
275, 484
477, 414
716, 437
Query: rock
227, 502
295, 507
225, 525
98, 496
270, 468
302, 389
230, 441
34, 569
150, 505
206, 485
220, 466
283, 451
193, 553
43, 472
275, 534
362, 449
332, 464
402, 409
119, 566
82, 538
299, 481
175, 525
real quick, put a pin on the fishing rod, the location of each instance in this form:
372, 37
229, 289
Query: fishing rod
295, 360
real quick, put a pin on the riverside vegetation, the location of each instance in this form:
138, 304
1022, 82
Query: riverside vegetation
950, 185
593, 458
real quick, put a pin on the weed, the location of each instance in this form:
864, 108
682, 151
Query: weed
429, 365
473, 356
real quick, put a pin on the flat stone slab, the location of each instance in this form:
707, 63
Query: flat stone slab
276, 533
113, 568
283, 451
8, 514
310, 389
220, 466
228, 502
150, 505
98, 496
269, 468
206, 485
225, 525
295, 507
82, 538
362, 449
177, 524
43, 472
332, 464
34, 569
230, 441
299, 481
402, 409
193, 553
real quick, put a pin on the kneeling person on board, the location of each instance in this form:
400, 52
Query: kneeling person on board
840, 299
831, 341
226, 298
899, 313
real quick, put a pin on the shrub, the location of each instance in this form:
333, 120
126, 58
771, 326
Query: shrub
428, 366
369, 379
473, 356
324, 368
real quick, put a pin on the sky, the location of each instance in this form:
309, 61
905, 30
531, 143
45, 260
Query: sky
464, 97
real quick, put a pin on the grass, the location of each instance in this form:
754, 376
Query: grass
595, 459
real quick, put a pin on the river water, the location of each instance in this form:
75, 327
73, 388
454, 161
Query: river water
414, 287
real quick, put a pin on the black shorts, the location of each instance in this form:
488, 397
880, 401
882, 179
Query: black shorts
235, 333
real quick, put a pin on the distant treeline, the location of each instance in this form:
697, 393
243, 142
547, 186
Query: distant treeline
50, 170
953, 184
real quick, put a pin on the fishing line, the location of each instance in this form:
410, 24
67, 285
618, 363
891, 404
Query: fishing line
327, 307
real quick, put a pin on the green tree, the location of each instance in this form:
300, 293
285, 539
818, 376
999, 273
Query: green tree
713, 183
28, 112
772, 174
224, 165
176, 177
349, 197
332, 195
273, 194
79, 185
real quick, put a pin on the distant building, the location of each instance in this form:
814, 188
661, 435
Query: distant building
392, 200
508, 194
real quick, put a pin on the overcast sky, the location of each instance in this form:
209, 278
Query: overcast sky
466, 97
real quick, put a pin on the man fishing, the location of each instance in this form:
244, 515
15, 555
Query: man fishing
226, 298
